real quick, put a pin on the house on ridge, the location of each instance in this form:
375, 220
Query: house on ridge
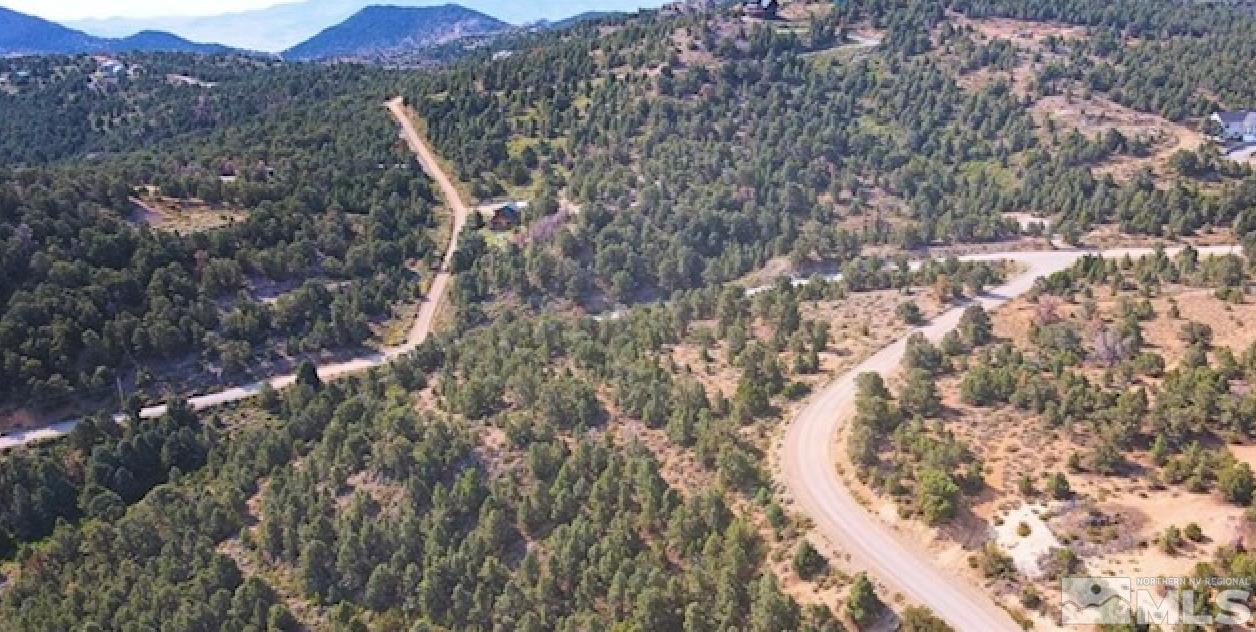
1236, 125
761, 9
506, 216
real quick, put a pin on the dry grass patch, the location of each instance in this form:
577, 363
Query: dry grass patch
860, 324
1094, 116
183, 216
1111, 522
1026, 34
1105, 236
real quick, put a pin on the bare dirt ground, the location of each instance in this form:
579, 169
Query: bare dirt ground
1149, 514
1025, 33
1028, 37
805, 11
1231, 324
1115, 520
1096, 115
775, 268
690, 50
861, 323
183, 216
387, 494
1091, 116
1110, 236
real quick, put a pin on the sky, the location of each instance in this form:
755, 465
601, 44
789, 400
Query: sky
281, 28
80, 9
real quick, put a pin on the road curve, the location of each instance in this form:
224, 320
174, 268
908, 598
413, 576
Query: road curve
807, 452
808, 459
418, 333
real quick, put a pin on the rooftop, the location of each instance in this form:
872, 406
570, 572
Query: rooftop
1234, 116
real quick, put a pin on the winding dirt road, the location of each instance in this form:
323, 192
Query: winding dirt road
418, 333
427, 158
807, 452
809, 462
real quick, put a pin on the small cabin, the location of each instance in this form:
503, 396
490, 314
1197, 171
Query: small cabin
506, 217
761, 9
1236, 126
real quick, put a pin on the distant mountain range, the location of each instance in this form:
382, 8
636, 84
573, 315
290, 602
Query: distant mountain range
587, 16
380, 32
22, 34
308, 30
270, 30
285, 26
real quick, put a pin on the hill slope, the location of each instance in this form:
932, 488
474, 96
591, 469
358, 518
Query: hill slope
380, 31
155, 41
22, 34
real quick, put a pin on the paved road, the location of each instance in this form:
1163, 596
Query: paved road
809, 462
418, 333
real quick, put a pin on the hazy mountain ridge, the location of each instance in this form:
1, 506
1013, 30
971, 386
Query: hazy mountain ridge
349, 29
381, 31
26, 34
285, 26
272, 29
152, 41
587, 16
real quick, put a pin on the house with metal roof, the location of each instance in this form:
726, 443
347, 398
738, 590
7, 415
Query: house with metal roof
1236, 125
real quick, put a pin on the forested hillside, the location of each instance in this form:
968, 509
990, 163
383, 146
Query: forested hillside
715, 145
331, 212
1119, 369
588, 442
522, 498
346, 497
382, 32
